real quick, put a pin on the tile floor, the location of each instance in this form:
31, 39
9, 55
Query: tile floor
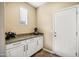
43, 53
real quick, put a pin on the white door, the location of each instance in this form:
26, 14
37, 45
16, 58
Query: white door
64, 42
16, 52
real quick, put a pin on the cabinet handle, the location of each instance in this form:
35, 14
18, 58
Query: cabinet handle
24, 47
37, 42
27, 47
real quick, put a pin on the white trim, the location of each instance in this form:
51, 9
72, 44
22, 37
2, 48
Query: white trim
48, 50
52, 52
73, 6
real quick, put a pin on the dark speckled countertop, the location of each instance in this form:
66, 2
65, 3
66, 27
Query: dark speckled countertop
22, 37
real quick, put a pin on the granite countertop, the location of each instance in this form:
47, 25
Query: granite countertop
21, 37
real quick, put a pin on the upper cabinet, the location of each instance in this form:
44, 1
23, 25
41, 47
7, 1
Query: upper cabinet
23, 16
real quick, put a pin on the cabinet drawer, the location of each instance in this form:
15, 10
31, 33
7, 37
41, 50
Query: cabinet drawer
12, 45
31, 40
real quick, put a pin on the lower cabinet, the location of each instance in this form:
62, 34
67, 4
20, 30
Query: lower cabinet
15, 52
32, 46
26, 48
39, 43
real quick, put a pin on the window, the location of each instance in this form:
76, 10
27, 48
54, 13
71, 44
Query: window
23, 16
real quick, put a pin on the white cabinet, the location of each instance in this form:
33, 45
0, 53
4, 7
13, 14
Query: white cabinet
34, 45
40, 43
24, 48
16, 52
16, 49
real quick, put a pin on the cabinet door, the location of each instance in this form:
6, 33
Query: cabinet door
39, 43
7, 53
64, 43
16, 52
32, 45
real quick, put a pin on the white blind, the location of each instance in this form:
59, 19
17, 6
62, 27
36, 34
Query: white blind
23, 15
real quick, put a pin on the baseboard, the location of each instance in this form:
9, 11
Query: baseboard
48, 50
51, 52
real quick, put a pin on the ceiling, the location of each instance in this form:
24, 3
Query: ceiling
36, 4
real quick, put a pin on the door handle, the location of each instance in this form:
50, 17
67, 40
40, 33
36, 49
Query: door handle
54, 34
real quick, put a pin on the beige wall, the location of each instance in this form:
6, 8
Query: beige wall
12, 18
44, 16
